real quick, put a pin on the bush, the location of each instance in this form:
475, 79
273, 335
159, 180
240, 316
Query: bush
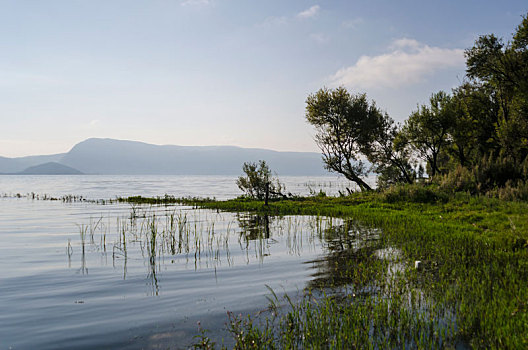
418, 193
499, 177
258, 176
492, 172
459, 180
512, 191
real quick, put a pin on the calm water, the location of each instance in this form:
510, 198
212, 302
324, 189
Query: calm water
85, 275
111, 186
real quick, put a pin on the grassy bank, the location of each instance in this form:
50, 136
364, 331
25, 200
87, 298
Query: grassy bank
469, 289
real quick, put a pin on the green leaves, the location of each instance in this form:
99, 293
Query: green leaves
258, 176
346, 125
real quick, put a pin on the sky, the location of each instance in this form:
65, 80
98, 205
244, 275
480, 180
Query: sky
221, 72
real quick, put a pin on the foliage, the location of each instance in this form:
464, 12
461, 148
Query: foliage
416, 193
472, 296
346, 125
247, 335
203, 342
258, 180
427, 129
391, 155
476, 138
503, 69
511, 191
459, 180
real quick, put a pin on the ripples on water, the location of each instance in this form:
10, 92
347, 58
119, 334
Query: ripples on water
83, 275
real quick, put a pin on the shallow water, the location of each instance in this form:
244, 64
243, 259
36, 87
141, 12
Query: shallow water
61, 290
86, 275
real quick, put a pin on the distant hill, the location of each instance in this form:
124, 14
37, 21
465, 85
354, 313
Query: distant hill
109, 156
50, 168
16, 165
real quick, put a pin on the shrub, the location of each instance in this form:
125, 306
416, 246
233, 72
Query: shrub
461, 179
418, 193
258, 176
511, 191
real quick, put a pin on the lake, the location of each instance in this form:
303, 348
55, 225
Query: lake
112, 186
87, 275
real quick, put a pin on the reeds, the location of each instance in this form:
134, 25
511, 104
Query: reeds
200, 238
471, 292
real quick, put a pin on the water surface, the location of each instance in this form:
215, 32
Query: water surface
111, 186
86, 275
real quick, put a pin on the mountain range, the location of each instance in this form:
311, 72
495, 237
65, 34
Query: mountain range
120, 157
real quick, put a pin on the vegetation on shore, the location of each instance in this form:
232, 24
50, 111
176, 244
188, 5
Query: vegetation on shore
454, 266
475, 138
469, 288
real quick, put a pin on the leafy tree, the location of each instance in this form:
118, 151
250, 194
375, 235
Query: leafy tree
258, 177
503, 69
477, 135
474, 128
427, 129
346, 126
390, 155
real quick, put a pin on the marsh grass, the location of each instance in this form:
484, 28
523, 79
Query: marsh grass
196, 239
471, 292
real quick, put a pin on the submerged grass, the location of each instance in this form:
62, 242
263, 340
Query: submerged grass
469, 290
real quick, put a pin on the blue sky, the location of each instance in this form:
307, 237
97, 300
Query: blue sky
221, 72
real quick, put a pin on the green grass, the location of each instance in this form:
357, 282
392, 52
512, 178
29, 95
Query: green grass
473, 291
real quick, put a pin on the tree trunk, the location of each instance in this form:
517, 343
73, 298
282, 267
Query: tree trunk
403, 170
362, 184
353, 177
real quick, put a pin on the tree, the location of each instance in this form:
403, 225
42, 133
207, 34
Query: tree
474, 129
390, 155
503, 68
346, 125
258, 177
427, 129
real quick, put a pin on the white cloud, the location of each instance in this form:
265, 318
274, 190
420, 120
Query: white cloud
282, 20
408, 63
309, 13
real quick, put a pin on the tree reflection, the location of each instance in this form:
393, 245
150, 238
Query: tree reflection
349, 256
254, 227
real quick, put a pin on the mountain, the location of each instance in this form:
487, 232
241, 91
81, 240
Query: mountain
109, 156
50, 168
16, 165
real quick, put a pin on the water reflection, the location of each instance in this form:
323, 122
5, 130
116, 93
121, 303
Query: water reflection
167, 237
254, 227
83, 231
123, 267
349, 247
